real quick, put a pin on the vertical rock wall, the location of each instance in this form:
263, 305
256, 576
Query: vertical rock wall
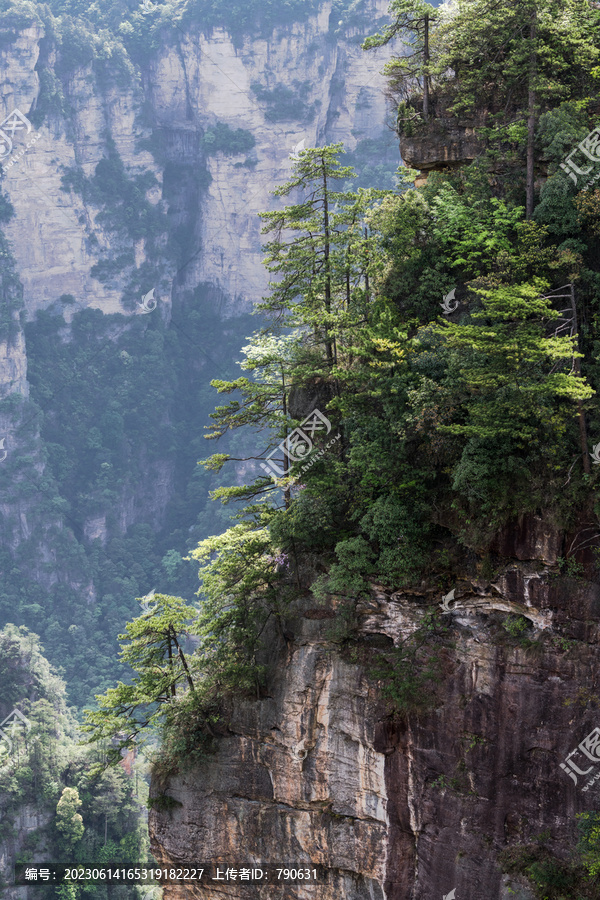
407, 809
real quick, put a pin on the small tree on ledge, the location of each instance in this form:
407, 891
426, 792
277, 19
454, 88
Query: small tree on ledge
412, 21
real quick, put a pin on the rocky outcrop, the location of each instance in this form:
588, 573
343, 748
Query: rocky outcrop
297, 781
441, 142
318, 772
13, 366
28, 823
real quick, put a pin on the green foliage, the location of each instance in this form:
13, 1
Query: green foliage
223, 139
409, 672
284, 104
125, 211
464, 421
442, 783
249, 17
472, 234
68, 821
179, 694
515, 625
171, 561
239, 583
550, 878
565, 44
239, 18
396, 526
406, 684
589, 842
560, 129
442, 431
570, 566
519, 388
348, 576
100, 383
47, 771
67, 891
407, 20
415, 22
154, 649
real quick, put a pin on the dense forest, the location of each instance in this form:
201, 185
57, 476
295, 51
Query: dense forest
90, 425
95, 444
422, 374
450, 426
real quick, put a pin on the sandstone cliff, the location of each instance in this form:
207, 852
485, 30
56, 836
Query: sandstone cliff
412, 809
71, 253
333, 91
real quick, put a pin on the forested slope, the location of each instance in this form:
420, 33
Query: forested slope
130, 258
160, 130
438, 346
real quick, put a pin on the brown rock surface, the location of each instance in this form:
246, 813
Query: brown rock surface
405, 811
440, 142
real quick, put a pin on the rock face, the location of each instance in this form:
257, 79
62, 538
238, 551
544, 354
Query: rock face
334, 92
29, 821
258, 801
406, 810
439, 143
342, 85
208, 199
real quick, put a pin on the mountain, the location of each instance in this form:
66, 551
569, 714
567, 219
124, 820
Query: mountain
157, 134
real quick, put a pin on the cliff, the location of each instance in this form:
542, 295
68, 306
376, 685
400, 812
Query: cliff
146, 174
297, 84
409, 808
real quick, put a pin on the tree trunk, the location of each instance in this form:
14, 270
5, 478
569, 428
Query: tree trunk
531, 118
170, 652
581, 414
183, 660
327, 249
426, 66
348, 286
286, 462
367, 287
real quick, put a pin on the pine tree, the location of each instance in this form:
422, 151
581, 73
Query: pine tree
153, 648
508, 397
68, 821
516, 60
309, 283
263, 407
322, 253
412, 20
